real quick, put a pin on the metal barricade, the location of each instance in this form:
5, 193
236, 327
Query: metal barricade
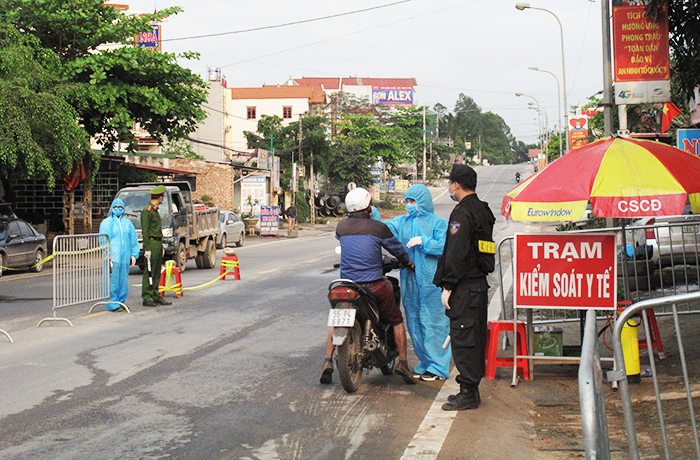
591, 395
2, 331
669, 266
619, 374
81, 272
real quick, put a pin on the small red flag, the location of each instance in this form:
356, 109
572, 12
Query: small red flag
670, 112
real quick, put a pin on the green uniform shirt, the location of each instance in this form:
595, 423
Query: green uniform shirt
151, 226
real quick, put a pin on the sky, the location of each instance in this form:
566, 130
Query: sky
481, 48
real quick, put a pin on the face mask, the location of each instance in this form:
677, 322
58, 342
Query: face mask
118, 212
412, 210
454, 198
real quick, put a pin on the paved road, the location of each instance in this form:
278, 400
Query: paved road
229, 372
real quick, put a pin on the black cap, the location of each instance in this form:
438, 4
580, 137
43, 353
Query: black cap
464, 175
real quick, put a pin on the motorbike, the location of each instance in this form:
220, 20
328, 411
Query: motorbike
362, 340
517, 178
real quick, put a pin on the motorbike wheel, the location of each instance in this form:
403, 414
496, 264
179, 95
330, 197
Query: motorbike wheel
388, 368
348, 360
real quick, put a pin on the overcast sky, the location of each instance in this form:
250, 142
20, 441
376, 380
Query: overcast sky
481, 48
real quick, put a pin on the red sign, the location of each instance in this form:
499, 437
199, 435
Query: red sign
565, 271
578, 131
641, 45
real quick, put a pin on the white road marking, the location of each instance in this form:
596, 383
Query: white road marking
432, 432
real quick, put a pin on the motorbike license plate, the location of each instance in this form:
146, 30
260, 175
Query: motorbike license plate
341, 317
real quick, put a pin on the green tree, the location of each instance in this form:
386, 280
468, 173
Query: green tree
39, 132
109, 90
684, 41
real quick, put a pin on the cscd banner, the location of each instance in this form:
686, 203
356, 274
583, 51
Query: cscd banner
642, 63
565, 271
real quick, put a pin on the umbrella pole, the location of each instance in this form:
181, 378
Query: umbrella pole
625, 266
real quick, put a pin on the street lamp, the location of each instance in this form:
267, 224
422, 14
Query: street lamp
523, 6
538, 118
541, 110
561, 144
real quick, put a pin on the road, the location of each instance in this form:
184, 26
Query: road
229, 371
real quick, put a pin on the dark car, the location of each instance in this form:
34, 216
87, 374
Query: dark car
21, 246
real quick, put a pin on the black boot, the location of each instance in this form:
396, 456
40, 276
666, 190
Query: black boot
467, 398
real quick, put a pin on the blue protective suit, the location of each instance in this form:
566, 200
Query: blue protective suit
425, 315
123, 245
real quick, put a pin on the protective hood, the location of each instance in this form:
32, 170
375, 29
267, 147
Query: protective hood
116, 202
421, 195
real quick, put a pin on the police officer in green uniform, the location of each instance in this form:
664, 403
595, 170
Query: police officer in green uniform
152, 232
461, 273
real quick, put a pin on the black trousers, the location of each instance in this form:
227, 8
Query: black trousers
468, 315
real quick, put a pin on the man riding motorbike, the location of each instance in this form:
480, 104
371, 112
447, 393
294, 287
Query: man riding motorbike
517, 176
361, 241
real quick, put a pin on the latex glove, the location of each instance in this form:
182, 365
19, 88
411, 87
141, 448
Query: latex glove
415, 241
133, 261
446, 298
147, 254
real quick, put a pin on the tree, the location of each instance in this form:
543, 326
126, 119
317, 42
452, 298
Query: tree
108, 90
684, 41
39, 132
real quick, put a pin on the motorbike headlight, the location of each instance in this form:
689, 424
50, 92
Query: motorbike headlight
167, 232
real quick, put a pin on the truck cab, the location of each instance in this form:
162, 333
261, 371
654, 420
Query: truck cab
188, 231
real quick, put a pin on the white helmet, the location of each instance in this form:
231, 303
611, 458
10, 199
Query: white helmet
357, 199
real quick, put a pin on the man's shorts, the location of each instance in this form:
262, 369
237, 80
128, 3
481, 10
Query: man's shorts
389, 311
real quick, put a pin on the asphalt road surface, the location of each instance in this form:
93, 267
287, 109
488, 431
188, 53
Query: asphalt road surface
229, 371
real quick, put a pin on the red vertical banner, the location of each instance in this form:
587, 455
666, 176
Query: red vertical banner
642, 62
578, 131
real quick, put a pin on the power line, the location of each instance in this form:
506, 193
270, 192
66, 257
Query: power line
277, 26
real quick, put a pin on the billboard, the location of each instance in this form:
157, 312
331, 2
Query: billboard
392, 95
689, 140
642, 63
578, 131
253, 187
150, 39
269, 220
565, 271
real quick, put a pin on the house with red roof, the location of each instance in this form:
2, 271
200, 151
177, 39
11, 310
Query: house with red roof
248, 105
386, 91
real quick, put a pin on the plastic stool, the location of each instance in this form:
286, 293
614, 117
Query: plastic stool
170, 279
653, 331
228, 262
493, 361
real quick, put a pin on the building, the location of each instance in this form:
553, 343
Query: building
385, 91
248, 105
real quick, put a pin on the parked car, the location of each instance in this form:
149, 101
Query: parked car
232, 230
676, 240
20, 245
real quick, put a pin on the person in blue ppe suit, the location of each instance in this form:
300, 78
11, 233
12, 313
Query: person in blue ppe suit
423, 233
123, 250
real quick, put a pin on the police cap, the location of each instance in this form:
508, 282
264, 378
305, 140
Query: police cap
464, 175
157, 190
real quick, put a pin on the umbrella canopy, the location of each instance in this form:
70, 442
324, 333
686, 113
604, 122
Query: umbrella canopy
620, 177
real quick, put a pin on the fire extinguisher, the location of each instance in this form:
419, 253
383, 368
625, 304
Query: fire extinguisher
630, 347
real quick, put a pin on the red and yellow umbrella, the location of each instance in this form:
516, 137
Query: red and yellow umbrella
620, 177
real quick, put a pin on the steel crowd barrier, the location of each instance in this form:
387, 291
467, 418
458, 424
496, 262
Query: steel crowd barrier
671, 266
2, 331
591, 394
81, 269
619, 374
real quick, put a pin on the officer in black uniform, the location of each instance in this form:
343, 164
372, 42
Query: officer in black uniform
152, 232
468, 258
